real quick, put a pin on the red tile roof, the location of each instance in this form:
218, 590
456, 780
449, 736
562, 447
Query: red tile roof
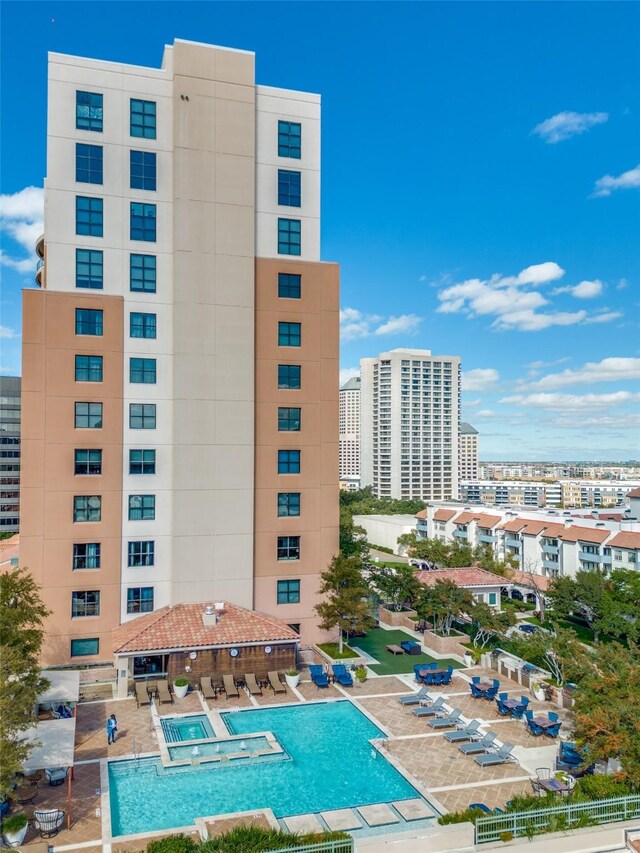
421, 514
487, 521
524, 579
180, 627
444, 514
625, 539
573, 533
634, 493
513, 526
533, 528
470, 576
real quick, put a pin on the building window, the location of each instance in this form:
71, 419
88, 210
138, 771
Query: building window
86, 555
86, 508
88, 216
289, 285
143, 118
288, 504
142, 370
88, 462
289, 236
143, 222
140, 599
81, 648
88, 416
142, 462
289, 375
88, 163
85, 603
288, 188
290, 139
142, 273
89, 268
289, 592
288, 547
493, 598
142, 507
88, 368
288, 419
141, 554
289, 334
142, 325
142, 170
142, 415
88, 321
89, 111
288, 462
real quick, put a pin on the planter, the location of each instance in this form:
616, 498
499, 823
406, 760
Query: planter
292, 680
538, 692
15, 839
468, 660
180, 690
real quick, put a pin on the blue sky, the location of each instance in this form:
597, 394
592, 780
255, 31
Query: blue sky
481, 186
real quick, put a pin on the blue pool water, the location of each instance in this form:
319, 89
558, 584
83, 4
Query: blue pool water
331, 766
194, 727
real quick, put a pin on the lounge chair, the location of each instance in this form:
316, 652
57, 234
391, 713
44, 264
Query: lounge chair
252, 685
276, 684
230, 688
341, 675
142, 695
56, 775
164, 694
429, 710
415, 698
463, 734
444, 722
318, 675
206, 689
478, 746
499, 757
48, 821
481, 807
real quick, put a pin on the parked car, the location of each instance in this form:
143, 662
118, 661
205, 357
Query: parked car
526, 628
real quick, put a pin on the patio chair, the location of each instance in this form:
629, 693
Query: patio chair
252, 685
230, 688
478, 746
276, 685
429, 710
518, 712
164, 693
476, 692
415, 698
500, 757
463, 734
492, 692
340, 674
56, 775
48, 821
444, 722
447, 676
553, 731
142, 695
502, 708
503, 697
553, 717
438, 678
206, 688
476, 679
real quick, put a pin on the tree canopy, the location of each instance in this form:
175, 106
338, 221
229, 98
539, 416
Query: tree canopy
443, 603
346, 604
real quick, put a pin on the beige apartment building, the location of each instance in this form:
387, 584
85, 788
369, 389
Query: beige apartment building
468, 455
180, 359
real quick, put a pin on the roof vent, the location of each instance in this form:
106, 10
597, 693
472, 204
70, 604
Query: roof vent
219, 605
209, 617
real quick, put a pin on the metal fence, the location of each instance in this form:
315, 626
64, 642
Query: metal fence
566, 816
334, 845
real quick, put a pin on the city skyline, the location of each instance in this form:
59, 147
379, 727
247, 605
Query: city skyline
506, 236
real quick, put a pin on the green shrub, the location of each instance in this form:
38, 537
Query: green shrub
15, 822
506, 836
173, 844
466, 816
601, 787
254, 839
382, 548
181, 682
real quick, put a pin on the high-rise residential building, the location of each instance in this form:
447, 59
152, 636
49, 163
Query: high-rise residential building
181, 356
349, 445
468, 453
410, 417
9, 454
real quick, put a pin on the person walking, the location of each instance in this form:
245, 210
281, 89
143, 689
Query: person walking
112, 728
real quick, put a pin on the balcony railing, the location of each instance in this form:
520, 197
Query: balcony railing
40, 245
39, 272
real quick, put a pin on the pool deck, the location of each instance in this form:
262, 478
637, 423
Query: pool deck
446, 777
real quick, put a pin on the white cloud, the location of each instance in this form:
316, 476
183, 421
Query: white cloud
538, 365
571, 403
485, 413
626, 181
354, 324
605, 317
471, 404
6, 332
567, 124
607, 370
583, 290
348, 373
22, 218
623, 284
514, 300
479, 379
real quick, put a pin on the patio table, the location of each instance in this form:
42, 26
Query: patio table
425, 672
544, 722
554, 785
484, 685
512, 703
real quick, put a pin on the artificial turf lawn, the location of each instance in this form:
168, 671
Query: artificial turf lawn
374, 644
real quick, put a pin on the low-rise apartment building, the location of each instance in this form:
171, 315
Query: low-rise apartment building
541, 493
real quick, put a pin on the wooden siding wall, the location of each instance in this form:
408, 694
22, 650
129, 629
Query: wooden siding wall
218, 662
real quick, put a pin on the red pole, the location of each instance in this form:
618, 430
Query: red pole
70, 777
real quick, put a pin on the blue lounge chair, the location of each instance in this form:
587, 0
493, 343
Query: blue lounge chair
478, 746
415, 698
463, 734
445, 722
499, 757
481, 808
318, 675
429, 710
344, 678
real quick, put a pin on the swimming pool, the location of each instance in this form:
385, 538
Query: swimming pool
250, 746
192, 727
331, 766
